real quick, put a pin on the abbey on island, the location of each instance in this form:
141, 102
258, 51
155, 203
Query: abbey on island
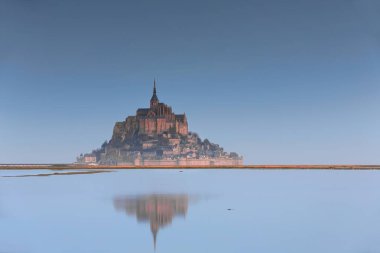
156, 136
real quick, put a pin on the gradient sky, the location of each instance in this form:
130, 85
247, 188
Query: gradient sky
276, 81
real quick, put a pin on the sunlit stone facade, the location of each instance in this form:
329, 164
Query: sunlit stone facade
159, 118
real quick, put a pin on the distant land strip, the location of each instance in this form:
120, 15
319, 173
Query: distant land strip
63, 173
257, 167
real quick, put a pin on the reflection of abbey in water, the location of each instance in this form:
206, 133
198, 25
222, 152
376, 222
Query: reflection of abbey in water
157, 209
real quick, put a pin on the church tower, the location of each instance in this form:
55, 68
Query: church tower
154, 100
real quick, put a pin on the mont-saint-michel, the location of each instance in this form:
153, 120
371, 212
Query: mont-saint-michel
156, 136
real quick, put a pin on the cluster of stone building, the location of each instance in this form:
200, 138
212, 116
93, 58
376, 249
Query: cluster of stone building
156, 136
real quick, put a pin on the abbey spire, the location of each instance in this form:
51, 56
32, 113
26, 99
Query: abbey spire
154, 100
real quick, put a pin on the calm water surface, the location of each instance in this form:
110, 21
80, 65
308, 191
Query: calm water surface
190, 211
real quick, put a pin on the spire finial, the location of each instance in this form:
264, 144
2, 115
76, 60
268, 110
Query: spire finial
154, 86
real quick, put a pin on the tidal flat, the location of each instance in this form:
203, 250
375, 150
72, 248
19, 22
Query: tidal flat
189, 210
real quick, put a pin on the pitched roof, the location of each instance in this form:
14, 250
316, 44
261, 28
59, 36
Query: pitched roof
180, 117
142, 111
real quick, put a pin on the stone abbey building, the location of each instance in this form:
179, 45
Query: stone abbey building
156, 136
157, 119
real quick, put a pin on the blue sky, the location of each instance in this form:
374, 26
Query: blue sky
276, 81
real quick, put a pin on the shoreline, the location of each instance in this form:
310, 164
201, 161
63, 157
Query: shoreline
252, 167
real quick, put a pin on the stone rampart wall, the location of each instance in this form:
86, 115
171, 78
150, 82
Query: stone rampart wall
189, 162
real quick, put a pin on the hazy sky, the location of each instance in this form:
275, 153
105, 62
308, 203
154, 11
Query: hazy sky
276, 81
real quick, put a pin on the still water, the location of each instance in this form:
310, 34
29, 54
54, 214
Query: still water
190, 211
